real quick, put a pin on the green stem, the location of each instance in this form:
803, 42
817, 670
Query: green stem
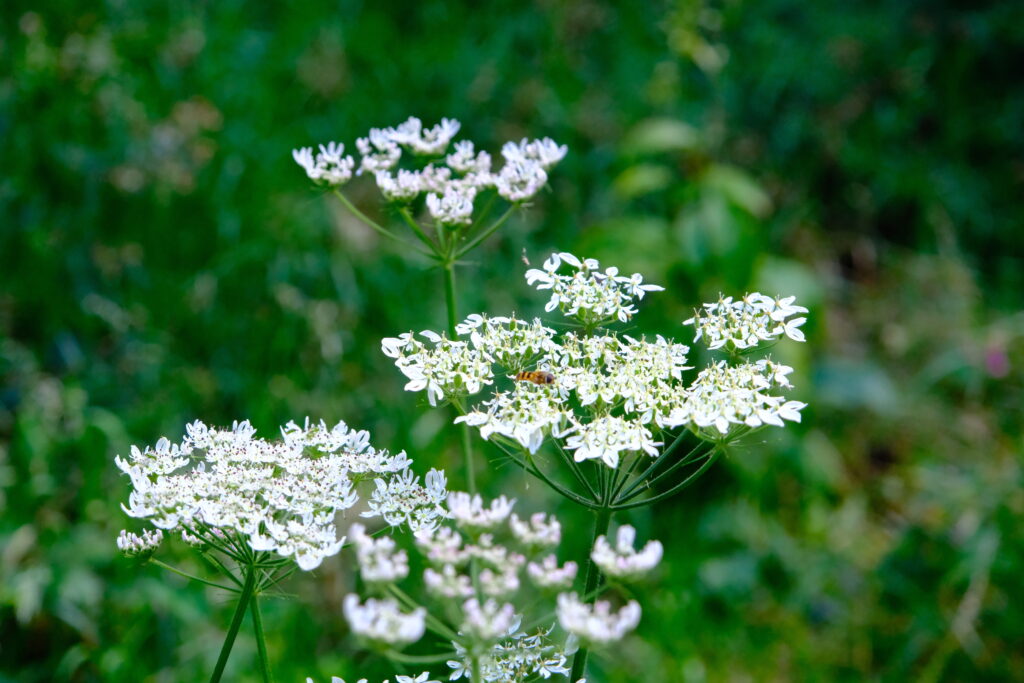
417, 230
261, 643
601, 523
193, 578
453, 316
475, 242
375, 225
712, 457
236, 622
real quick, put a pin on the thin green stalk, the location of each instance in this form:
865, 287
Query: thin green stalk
417, 230
675, 489
177, 571
661, 458
453, 316
236, 622
261, 644
475, 242
375, 225
601, 523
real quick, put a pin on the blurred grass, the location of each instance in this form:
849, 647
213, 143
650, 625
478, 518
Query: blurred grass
162, 259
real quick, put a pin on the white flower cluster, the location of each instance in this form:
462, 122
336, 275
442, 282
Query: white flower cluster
450, 188
422, 678
747, 322
133, 545
623, 561
725, 395
329, 166
383, 623
518, 657
476, 560
591, 296
280, 496
606, 395
403, 500
596, 624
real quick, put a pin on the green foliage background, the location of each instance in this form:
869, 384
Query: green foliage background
162, 259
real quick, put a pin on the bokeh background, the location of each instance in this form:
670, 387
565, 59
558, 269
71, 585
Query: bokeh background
162, 259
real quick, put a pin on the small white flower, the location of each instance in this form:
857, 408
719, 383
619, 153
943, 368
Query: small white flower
590, 295
746, 323
548, 574
133, 545
596, 624
469, 511
403, 187
488, 621
545, 152
467, 161
540, 531
520, 179
448, 583
383, 622
379, 559
379, 152
606, 438
454, 207
431, 142
623, 561
330, 166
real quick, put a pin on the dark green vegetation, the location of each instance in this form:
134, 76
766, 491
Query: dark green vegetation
162, 259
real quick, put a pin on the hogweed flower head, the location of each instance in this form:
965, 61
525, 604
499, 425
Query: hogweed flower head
605, 395
451, 178
279, 496
623, 561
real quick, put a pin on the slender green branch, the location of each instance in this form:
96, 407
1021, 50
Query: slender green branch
404, 658
664, 475
193, 578
574, 467
475, 242
261, 644
601, 523
236, 622
658, 461
375, 225
449, 297
417, 230
675, 489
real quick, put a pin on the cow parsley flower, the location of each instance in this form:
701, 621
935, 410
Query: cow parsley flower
539, 531
591, 296
379, 559
466, 160
596, 624
403, 187
724, 395
517, 657
382, 622
525, 415
133, 545
279, 496
454, 207
606, 438
747, 322
330, 166
403, 500
425, 141
487, 621
520, 179
469, 511
547, 573
545, 152
450, 369
378, 151
623, 561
